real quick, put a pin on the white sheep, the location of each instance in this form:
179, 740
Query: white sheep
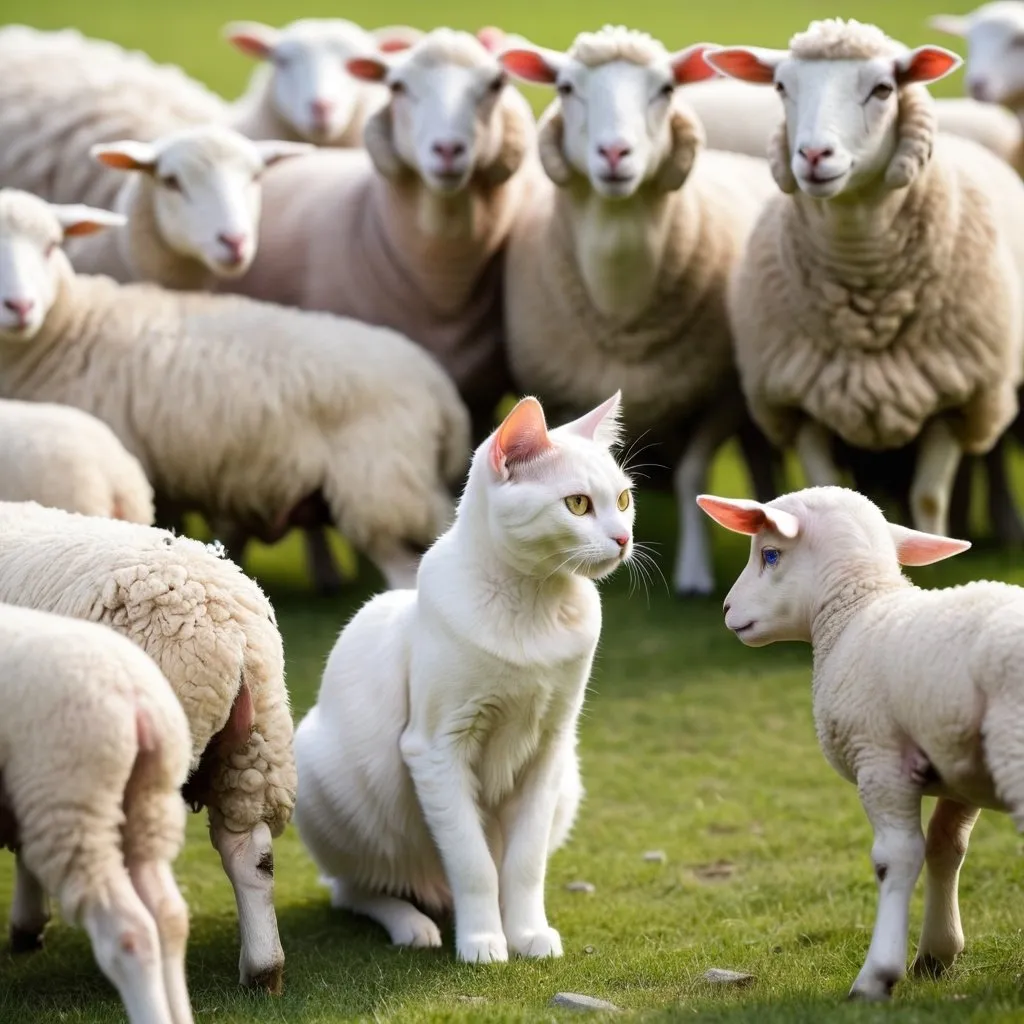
64, 458
213, 633
248, 412
93, 750
427, 209
916, 692
880, 296
617, 268
302, 91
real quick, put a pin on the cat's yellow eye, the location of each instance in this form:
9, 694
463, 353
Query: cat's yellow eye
578, 504
623, 502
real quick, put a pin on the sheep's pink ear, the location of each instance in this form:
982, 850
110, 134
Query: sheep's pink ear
926, 64
689, 65
395, 38
533, 64
368, 69
754, 64
79, 219
523, 435
603, 424
743, 515
273, 150
949, 24
125, 155
252, 38
916, 548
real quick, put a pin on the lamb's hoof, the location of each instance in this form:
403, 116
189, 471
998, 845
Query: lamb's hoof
927, 966
875, 991
269, 981
25, 940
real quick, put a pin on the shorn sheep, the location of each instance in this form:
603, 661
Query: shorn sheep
64, 458
427, 208
618, 265
880, 296
213, 633
252, 414
915, 692
93, 750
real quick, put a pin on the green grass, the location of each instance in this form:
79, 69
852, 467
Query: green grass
691, 743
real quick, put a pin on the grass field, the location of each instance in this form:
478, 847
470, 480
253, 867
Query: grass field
691, 743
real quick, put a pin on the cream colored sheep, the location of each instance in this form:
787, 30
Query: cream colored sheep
916, 693
64, 458
213, 633
880, 297
248, 412
93, 750
618, 265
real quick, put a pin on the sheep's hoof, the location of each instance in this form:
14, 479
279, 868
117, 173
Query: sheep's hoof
270, 981
25, 940
927, 966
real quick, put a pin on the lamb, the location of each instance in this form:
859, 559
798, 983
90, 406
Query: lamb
247, 412
617, 267
427, 206
93, 749
879, 298
213, 633
64, 458
916, 692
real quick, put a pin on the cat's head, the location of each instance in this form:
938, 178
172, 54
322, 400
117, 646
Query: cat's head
557, 500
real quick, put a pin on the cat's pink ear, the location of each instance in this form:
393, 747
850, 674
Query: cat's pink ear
523, 435
603, 424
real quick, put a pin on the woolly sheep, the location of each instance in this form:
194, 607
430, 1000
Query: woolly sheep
915, 692
212, 631
64, 458
427, 208
896, 317
248, 412
93, 750
617, 267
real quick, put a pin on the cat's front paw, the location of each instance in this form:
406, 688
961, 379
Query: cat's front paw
419, 932
536, 943
482, 948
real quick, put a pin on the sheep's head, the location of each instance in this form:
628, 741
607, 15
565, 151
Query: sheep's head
804, 548
616, 120
452, 115
309, 86
856, 110
995, 50
205, 190
31, 260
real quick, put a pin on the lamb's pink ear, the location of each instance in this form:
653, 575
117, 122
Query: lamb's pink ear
79, 219
603, 424
252, 38
369, 69
533, 64
926, 64
743, 515
950, 24
492, 38
394, 38
689, 65
523, 435
916, 548
125, 155
754, 64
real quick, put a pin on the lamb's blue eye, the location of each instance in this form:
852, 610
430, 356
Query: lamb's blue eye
770, 556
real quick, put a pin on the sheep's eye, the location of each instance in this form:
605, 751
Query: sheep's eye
882, 91
171, 182
770, 557
667, 89
578, 504
498, 83
564, 88
397, 88
623, 501
780, 88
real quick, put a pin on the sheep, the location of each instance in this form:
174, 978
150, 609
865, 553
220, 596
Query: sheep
915, 692
617, 267
64, 458
879, 298
213, 633
301, 90
93, 749
248, 412
427, 207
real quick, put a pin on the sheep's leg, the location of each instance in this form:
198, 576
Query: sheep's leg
764, 463
814, 450
694, 572
398, 565
248, 859
939, 455
406, 925
897, 855
320, 561
30, 911
960, 500
1002, 510
942, 937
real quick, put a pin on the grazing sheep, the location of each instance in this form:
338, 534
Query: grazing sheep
617, 267
213, 633
880, 296
64, 458
248, 412
93, 750
916, 692
427, 208
302, 91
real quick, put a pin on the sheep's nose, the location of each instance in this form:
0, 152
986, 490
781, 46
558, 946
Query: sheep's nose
814, 156
449, 152
614, 153
321, 110
235, 244
20, 306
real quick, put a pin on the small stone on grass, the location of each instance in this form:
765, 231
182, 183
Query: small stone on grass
720, 976
574, 1001
581, 887
655, 857
472, 999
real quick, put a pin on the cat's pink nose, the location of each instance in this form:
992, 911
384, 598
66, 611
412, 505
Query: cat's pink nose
622, 540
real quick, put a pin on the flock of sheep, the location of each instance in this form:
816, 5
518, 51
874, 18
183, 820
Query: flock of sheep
302, 309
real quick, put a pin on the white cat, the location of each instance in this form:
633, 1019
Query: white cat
439, 764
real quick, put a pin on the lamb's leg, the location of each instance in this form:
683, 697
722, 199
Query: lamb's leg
942, 937
320, 561
30, 911
400, 919
893, 806
814, 450
939, 455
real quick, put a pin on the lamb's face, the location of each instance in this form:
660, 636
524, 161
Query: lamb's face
995, 50
31, 261
205, 191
